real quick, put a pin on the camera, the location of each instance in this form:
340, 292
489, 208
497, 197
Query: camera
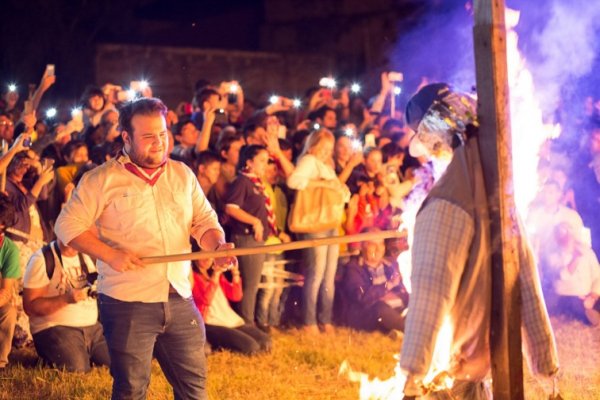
221, 117
27, 142
91, 289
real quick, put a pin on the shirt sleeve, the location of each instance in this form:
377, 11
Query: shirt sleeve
204, 217
236, 193
83, 209
11, 267
35, 273
304, 172
442, 238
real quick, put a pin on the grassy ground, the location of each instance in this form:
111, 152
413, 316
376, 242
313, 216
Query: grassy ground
300, 367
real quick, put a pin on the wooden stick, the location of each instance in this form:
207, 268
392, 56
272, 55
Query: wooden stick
301, 244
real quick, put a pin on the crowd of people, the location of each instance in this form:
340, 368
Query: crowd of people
250, 162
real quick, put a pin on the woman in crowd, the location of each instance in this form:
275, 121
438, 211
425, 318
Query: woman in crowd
315, 169
225, 329
252, 220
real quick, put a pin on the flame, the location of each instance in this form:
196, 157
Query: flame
529, 132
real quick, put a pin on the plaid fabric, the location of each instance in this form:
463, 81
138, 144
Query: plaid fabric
443, 234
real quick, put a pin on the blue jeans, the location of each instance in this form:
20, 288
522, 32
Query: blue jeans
319, 280
251, 270
173, 332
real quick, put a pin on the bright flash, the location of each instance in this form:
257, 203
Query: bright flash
233, 88
397, 90
143, 85
355, 88
297, 103
316, 126
51, 112
328, 82
12, 87
76, 111
349, 131
273, 99
131, 94
356, 145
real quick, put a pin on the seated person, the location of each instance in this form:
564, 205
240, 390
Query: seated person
224, 328
373, 287
571, 277
62, 315
10, 273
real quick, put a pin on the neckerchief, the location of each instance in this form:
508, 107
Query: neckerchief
138, 171
261, 188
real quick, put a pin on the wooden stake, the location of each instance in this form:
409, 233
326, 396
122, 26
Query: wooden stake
3, 175
302, 244
489, 35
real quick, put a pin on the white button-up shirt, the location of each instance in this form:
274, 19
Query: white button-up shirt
131, 215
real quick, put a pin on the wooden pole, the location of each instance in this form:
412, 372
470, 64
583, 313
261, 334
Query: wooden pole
4, 150
301, 244
489, 35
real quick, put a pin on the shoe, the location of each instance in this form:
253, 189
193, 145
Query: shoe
310, 330
327, 328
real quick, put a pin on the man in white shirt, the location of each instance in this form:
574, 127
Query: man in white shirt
143, 204
62, 315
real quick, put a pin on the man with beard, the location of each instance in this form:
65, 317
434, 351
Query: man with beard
451, 258
143, 204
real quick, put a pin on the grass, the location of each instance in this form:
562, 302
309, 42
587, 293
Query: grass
299, 368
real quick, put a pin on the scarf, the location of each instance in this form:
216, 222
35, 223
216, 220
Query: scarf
261, 188
142, 173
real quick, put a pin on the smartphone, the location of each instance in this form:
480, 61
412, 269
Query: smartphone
27, 142
395, 76
370, 140
221, 118
50, 70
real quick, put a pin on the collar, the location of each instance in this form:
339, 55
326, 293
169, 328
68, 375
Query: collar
140, 172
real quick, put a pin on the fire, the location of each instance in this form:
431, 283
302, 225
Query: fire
529, 133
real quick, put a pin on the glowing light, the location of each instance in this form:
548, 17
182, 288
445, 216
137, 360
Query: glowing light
143, 85
328, 82
349, 131
355, 88
131, 94
51, 112
397, 90
75, 112
233, 88
273, 99
356, 145
12, 87
297, 103
316, 126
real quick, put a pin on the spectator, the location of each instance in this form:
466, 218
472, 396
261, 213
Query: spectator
62, 315
208, 169
76, 154
314, 169
10, 273
146, 305
252, 220
7, 127
224, 328
374, 290
370, 169
347, 156
95, 104
326, 117
571, 277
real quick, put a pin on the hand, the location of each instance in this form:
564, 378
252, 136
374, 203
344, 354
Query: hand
344, 97
272, 141
284, 237
394, 281
76, 295
29, 121
171, 118
209, 116
46, 175
386, 85
123, 261
47, 81
258, 229
18, 144
356, 159
227, 262
304, 125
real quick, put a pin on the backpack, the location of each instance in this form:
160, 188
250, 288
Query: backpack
50, 262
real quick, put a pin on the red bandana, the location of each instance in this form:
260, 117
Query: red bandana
1, 240
270, 213
148, 177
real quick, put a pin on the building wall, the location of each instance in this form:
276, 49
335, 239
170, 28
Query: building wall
172, 71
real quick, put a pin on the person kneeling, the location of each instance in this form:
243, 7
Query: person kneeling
62, 310
374, 290
224, 328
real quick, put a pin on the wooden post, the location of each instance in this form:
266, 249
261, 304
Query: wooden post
489, 35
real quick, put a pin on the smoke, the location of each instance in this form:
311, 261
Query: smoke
566, 49
558, 38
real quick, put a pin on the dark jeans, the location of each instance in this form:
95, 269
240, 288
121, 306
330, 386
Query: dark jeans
246, 339
73, 349
173, 332
251, 271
